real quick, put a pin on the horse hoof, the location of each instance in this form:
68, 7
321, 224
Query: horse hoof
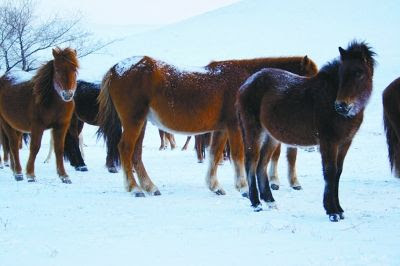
200, 161
272, 205
257, 208
274, 187
19, 177
245, 194
112, 169
82, 168
139, 194
297, 188
334, 217
220, 192
341, 215
66, 180
157, 193
30, 178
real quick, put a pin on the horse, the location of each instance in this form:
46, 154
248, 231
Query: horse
391, 122
191, 101
47, 101
276, 106
166, 138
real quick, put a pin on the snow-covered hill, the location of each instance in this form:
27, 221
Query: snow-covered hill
95, 222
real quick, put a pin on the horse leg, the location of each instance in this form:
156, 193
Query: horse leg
273, 168
341, 155
12, 145
199, 147
51, 148
171, 139
268, 148
237, 153
184, 148
329, 154
36, 139
59, 134
217, 145
291, 155
163, 146
145, 182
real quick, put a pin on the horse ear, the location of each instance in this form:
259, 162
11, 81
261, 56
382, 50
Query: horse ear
342, 52
55, 52
305, 61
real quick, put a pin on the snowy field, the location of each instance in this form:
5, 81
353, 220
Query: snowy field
94, 221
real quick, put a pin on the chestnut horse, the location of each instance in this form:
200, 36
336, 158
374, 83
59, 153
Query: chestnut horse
391, 121
191, 102
326, 110
47, 102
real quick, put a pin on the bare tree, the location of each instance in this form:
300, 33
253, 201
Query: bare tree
24, 36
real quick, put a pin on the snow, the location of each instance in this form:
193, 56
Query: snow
94, 221
19, 76
127, 64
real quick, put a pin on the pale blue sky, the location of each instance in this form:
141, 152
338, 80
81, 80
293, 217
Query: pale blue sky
122, 12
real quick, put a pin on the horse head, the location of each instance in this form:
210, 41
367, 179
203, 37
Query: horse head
355, 78
65, 72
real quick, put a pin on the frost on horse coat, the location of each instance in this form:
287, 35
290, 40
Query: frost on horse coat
183, 101
326, 110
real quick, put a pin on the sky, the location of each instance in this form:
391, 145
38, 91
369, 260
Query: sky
125, 12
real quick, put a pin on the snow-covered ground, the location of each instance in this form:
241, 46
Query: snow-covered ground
95, 222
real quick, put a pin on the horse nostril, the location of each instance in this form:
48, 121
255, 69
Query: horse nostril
342, 107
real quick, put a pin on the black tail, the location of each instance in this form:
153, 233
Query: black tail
109, 123
26, 137
393, 146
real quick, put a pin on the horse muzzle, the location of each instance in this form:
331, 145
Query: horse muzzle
67, 95
343, 108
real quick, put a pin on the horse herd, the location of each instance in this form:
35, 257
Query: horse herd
250, 106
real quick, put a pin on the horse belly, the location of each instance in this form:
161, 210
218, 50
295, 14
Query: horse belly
183, 122
290, 124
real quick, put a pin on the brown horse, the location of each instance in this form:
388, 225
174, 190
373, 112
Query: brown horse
47, 102
189, 102
391, 121
278, 106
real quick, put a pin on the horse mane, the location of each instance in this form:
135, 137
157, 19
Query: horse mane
362, 50
356, 50
43, 83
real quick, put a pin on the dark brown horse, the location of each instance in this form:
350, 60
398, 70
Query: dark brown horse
191, 102
32, 106
391, 121
326, 110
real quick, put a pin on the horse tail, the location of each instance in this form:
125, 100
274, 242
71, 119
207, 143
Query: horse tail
393, 145
109, 123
